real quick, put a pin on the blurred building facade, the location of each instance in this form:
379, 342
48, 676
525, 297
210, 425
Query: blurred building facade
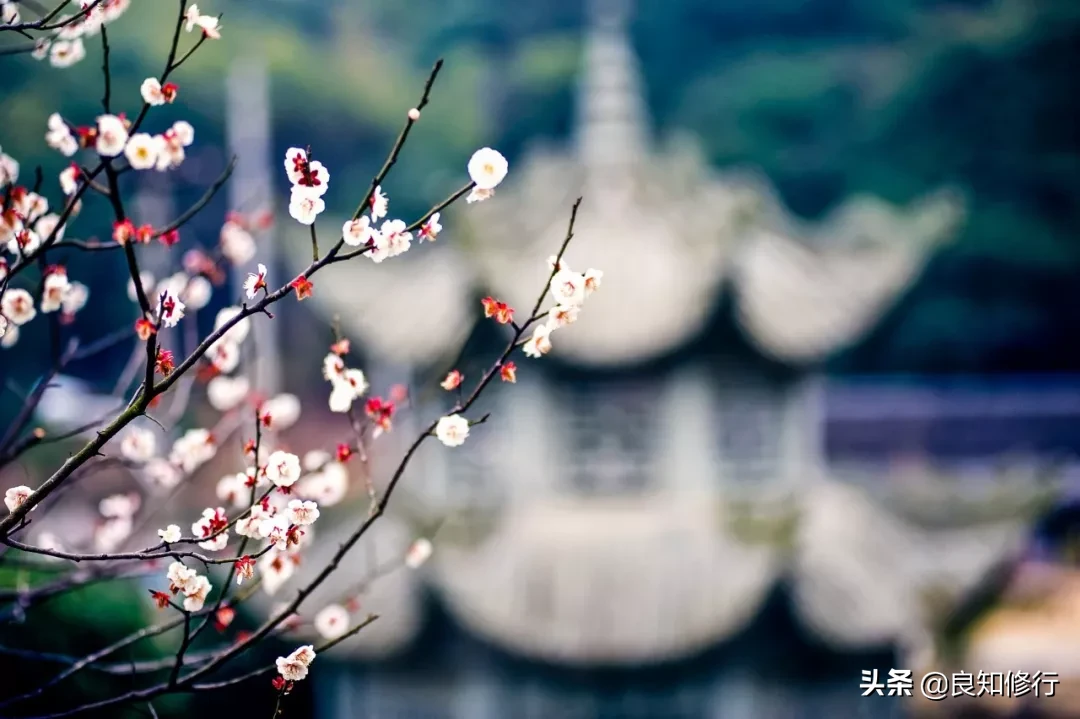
680, 467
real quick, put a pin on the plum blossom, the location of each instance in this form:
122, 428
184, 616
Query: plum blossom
9, 13
452, 430
119, 506
430, 230
233, 488
193, 449
138, 445
332, 621
161, 473
303, 513
212, 522
181, 577
418, 553
568, 287
283, 468
195, 596
284, 409
209, 25
16, 496
255, 281
453, 380
59, 136
328, 486
276, 568
239, 331
294, 667
225, 393
358, 232
224, 356
540, 342
112, 136
9, 170
48, 225
236, 243
170, 534
142, 150
18, 306
392, 240
592, 280
562, 315
170, 309
304, 206
65, 53
348, 386
154, 93
487, 168
379, 204
54, 287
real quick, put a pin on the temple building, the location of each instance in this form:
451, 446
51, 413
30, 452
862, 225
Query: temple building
680, 466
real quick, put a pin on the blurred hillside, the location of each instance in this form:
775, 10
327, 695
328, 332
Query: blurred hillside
827, 97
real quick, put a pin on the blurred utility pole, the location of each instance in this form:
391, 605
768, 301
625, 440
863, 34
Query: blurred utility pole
250, 191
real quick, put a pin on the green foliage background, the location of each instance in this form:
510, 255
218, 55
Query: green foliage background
827, 97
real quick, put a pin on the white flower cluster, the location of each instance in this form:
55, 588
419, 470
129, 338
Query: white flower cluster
194, 586
294, 667
65, 47
570, 289
347, 385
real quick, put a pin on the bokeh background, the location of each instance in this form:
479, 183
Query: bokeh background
822, 417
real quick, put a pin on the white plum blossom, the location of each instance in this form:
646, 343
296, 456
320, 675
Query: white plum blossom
161, 473
284, 410
358, 232
255, 281
112, 136
207, 527
561, 315
487, 168
209, 25
294, 667
327, 486
568, 287
138, 445
418, 553
69, 179
276, 568
540, 342
236, 243
75, 298
197, 292
183, 132
142, 150
9, 170
170, 534
54, 287
59, 136
65, 53
592, 280
225, 393
379, 204
430, 230
16, 496
452, 430
196, 595
224, 356
151, 91
295, 157
9, 13
332, 621
119, 506
170, 309
348, 386
181, 577
49, 224
315, 459
193, 449
304, 206
233, 488
18, 306
303, 513
146, 280
391, 240
283, 468
110, 534
238, 332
